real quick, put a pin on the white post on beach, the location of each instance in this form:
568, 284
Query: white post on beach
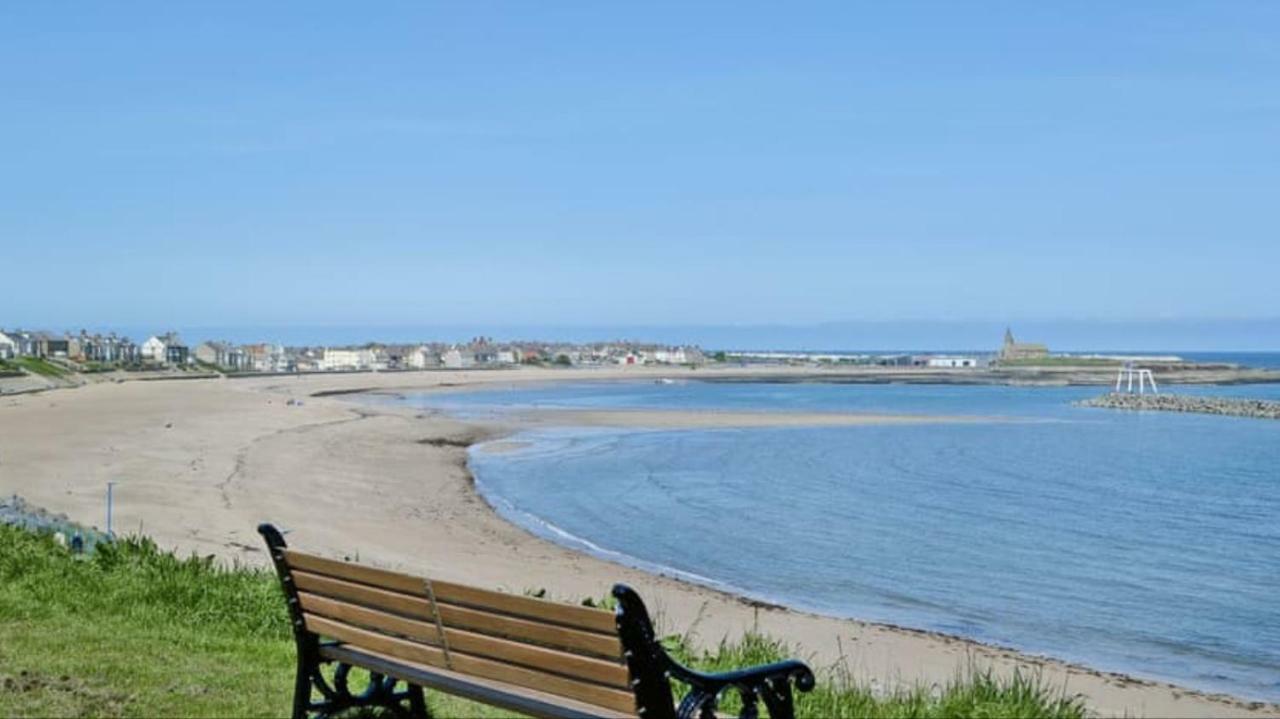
1152, 377
1119, 378
110, 487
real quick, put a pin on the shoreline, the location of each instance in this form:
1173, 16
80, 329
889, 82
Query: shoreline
502, 441
199, 464
1051, 375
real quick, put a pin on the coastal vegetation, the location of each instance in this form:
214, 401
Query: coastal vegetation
1061, 362
35, 365
131, 630
208, 367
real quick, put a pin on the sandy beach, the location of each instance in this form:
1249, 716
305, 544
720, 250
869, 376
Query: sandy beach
200, 463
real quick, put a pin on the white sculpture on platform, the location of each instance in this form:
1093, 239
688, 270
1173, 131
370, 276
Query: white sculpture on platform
1128, 371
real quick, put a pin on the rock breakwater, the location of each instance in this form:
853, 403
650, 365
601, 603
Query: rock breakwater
1230, 406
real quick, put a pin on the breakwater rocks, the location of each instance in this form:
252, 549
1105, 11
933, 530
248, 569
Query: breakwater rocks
1256, 408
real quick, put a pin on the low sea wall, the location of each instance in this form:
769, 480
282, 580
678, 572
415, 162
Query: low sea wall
1257, 408
17, 512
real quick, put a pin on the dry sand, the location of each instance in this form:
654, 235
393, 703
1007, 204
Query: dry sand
200, 463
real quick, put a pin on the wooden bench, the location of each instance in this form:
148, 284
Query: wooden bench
532, 656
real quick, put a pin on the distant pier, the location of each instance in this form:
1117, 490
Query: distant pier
1255, 408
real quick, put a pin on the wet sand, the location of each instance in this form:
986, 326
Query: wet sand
199, 463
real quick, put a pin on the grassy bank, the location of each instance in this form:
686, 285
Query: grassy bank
42, 367
1061, 362
133, 631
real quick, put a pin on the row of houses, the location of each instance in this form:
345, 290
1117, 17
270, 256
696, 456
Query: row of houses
165, 349
24, 343
262, 357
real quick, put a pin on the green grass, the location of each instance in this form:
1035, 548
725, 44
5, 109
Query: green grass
134, 631
971, 693
42, 367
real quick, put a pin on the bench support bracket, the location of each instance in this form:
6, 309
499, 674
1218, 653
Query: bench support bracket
336, 695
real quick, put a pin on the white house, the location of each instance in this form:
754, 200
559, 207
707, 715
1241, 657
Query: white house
673, 355
457, 359
952, 362
346, 360
153, 350
421, 358
8, 346
265, 357
214, 353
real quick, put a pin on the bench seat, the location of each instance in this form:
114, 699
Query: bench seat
493, 693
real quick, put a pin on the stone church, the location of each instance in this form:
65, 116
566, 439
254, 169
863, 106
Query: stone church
1014, 350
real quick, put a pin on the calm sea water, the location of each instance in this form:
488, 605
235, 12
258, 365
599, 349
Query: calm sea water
1147, 543
1244, 359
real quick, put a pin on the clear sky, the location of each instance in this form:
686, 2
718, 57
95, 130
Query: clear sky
647, 164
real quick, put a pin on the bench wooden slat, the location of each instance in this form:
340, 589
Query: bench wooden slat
546, 659
596, 620
615, 699
504, 696
373, 641
352, 572
571, 665
612, 698
419, 607
530, 630
416, 629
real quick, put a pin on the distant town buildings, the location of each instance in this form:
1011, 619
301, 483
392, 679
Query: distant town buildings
84, 351
411, 357
347, 360
222, 355
108, 349
455, 358
166, 351
952, 362
265, 357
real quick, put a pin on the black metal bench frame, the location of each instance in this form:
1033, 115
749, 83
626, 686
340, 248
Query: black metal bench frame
650, 667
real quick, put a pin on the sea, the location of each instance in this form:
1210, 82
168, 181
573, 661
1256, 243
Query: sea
1143, 543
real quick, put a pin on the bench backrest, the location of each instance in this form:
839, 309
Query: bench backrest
561, 649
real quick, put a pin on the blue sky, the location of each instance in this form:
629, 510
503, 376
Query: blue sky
653, 164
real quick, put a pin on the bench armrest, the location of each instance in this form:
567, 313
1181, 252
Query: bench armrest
652, 669
770, 683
